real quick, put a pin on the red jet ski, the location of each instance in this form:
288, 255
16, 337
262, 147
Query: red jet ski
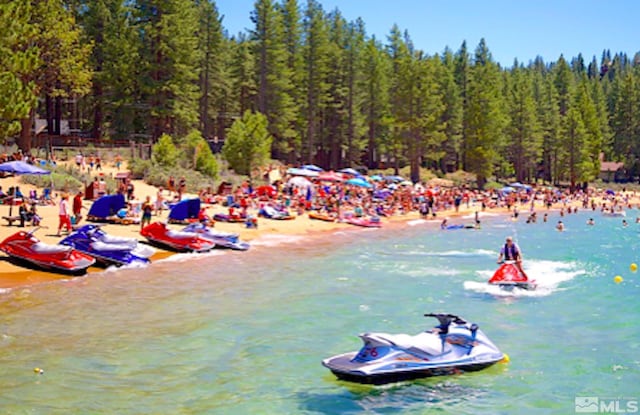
158, 233
509, 276
26, 247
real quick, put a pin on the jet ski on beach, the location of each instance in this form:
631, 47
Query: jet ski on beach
453, 346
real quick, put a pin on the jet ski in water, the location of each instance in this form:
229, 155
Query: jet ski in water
181, 241
221, 239
108, 249
26, 247
453, 346
509, 276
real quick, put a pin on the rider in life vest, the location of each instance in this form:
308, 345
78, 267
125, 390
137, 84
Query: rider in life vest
511, 252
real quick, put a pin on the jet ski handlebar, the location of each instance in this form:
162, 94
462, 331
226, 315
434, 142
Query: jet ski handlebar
446, 319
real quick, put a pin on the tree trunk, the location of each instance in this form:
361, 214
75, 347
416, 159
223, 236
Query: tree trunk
24, 141
57, 115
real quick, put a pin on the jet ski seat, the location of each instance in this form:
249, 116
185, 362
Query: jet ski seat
42, 248
102, 246
180, 234
428, 343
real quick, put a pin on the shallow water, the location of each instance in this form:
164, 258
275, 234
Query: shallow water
242, 333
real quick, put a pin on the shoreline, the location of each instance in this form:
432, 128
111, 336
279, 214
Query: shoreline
12, 276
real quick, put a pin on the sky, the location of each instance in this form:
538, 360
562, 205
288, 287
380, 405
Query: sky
512, 29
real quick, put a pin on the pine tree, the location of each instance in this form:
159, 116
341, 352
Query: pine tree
169, 69
452, 115
315, 87
486, 120
290, 144
376, 99
18, 59
525, 138
211, 82
64, 69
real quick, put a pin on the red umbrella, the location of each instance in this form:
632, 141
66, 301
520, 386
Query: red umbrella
330, 176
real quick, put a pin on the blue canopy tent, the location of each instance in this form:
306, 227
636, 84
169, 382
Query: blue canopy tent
184, 210
20, 167
106, 206
507, 189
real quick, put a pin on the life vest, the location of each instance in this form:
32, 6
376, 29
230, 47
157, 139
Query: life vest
511, 252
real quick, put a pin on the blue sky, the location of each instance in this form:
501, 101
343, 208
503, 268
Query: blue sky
521, 29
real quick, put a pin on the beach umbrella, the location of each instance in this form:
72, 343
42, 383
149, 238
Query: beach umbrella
20, 167
330, 176
507, 189
350, 171
405, 183
610, 192
517, 185
302, 172
359, 182
395, 179
300, 182
312, 167
376, 178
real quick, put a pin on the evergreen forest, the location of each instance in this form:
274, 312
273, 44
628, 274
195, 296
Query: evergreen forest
329, 93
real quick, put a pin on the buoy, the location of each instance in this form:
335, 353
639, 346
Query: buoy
618, 279
633, 267
38, 371
505, 359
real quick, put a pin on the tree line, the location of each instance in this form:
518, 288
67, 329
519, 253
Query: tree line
331, 93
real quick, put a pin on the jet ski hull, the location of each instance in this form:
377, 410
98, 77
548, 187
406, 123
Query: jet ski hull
344, 368
509, 276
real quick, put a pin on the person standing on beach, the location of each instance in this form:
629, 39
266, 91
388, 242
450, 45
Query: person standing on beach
147, 208
63, 214
77, 207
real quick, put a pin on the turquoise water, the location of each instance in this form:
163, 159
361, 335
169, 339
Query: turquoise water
244, 333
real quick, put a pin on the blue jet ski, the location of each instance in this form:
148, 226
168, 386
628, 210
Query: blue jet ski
221, 239
453, 346
108, 249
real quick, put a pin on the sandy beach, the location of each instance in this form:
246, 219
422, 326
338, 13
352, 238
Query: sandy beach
14, 275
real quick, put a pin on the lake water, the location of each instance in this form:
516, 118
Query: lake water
244, 333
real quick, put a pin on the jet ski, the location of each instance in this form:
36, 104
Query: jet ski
372, 222
108, 249
451, 347
26, 247
159, 234
509, 276
221, 239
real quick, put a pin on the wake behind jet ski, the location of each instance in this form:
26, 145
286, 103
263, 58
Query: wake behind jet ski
451, 347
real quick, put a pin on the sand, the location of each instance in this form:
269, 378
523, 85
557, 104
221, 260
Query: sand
13, 275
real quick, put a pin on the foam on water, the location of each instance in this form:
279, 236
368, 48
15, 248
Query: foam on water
190, 256
416, 222
275, 240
